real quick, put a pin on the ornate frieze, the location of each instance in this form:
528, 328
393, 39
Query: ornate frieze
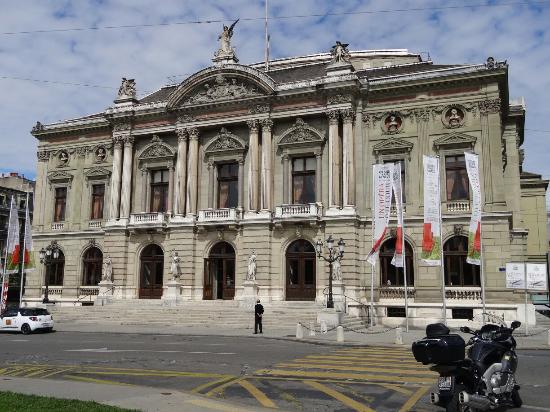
122, 126
259, 109
301, 133
489, 106
185, 118
223, 89
339, 99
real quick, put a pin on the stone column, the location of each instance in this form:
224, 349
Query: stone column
210, 167
148, 192
334, 159
267, 168
192, 172
241, 185
181, 171
170, 206
144, 188
318, 178
415, 196
116, 178
512, 174
126, 189
254, 166
348, 116
286, 189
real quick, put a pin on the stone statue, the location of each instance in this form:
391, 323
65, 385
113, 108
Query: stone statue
225, 39
127, 89
100, 154
336, 270
107, 275
251, 274
340, 53
454, 118
175, 265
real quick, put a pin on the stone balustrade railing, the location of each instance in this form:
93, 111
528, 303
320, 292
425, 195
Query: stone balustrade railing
58, 226
94, 224
54, 290
156, 218
88, 290
308, 210
396, 292
216, 215
458, 206
463, 293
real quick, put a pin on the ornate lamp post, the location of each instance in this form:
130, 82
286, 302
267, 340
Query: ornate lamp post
333, 256
47, 257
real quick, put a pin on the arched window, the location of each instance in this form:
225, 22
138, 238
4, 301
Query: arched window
91, 266
219, 272
391, 275
458, 272
151, 272
56, 270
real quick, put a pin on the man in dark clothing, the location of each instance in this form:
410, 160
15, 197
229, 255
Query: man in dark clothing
258, 313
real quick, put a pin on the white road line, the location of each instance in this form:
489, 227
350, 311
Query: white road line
106, 350
535, 408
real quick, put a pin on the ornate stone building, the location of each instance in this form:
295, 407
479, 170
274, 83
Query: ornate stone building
237, 159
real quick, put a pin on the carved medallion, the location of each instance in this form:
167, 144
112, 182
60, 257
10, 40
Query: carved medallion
100, 154
393, 124
453, 117
63, 158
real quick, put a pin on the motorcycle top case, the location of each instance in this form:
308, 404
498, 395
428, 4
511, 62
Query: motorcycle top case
439, 350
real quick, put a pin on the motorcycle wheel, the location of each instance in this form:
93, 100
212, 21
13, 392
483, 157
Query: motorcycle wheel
454, 405
516, 399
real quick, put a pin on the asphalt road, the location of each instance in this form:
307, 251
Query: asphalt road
290, 375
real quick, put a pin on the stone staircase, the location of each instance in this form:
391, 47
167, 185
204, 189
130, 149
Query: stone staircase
543, 321
227, 314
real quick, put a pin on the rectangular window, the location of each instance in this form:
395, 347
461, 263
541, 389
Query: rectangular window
396, 312
463, 313
456, 178
228, 185
98, 195
403, 180
60, 204
159, 190
303, 180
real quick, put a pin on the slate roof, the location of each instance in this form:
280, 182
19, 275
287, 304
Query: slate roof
159, 96
379, 72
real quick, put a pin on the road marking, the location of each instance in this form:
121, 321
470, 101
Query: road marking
398, 371
258, 394
536, 408
397, 388
165, 374
105, 350
214, 405
413, 399
202, 387
221, 387
19, 340
57, 372
364, 363
42, 370
341, 375
102, 381
24, 371
362, 358
339, 396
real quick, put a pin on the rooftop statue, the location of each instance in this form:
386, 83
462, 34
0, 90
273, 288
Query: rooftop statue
127, 89
225, 39
340, 53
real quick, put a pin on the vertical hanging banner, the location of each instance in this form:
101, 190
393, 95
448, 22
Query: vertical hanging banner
28, 262
381, 207
12, 253
474, 231
431, 239
397, 259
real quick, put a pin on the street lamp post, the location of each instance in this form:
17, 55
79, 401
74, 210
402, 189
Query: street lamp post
47, 257
333, 256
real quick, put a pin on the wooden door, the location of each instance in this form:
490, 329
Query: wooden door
300, 271
151, 273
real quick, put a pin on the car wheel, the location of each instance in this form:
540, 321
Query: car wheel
25, 329
49, 330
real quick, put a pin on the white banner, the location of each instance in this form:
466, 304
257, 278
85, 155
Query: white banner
536, 276
474, 231
397, 187
431, 239
515, 275
382, 179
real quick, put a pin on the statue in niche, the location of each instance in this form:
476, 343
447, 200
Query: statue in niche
336, 270
107, 275
63, 157
454, 117
340, 53
100, 154
251, 273
393, 123
225, 39
127, 89
175, 265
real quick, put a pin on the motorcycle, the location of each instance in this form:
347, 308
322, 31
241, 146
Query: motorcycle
484, 380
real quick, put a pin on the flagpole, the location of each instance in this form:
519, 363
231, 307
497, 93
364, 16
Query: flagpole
442, 266
24, 248
404, 268
482, 265
5, 261
372, 266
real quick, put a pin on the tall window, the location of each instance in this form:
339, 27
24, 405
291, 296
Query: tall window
60, 204
390, 274
457, 178
55, 271
91, 263
458, 272
159, 190
228, 185
403, 181
98, 194
303, 180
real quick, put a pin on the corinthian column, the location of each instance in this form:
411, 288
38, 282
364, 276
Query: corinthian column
334, 159
181, 171
254, 166
116, 177
192, 172
348, 180
126, 177
267, 168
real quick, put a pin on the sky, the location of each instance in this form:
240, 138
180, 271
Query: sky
78, 72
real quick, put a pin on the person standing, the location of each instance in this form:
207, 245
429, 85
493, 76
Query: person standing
258, 314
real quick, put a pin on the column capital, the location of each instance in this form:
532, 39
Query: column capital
318, 154
182, 134
267, 125
253, 125
347, 115
210, 164
193, 133
118, 141
128, 140
333, 116
489, 106
240, 161
285, 156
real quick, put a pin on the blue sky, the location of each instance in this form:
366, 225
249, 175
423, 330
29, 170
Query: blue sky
99, 58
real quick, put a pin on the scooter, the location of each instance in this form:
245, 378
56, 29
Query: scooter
484, 380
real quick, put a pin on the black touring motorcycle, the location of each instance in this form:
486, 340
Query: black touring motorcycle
483, 380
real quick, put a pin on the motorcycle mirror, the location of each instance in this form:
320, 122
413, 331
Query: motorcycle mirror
516, 324
465, 329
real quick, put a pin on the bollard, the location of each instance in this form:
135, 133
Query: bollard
324, 328
399, 336
311, 329
340, 334
299, 331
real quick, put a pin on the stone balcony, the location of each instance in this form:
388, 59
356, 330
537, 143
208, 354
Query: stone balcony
458, 206
155, 219
219, 215
396, 292
311, 211
58, 226
94, 224
463, 293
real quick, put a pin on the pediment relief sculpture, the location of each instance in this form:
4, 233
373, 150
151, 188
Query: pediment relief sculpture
60, 177
455, 140
223, 88
301, 133
392, 145
97, 172
225, 141
156, 149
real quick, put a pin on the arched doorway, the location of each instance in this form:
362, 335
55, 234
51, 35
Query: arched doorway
391, 275
219, 272
300, 271
458, 272
151, 272
91, 267
56, 270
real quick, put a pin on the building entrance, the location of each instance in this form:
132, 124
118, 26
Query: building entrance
300, 271
151, 271
219, 273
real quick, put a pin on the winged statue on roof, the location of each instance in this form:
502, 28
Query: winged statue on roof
340, 53
225, 38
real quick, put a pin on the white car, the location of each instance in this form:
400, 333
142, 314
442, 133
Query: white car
26, 320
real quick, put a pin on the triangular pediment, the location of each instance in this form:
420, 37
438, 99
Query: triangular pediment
393, 145
97, 172
60, 177
220, 84
455, 140
225, 141
157, 149
301, 133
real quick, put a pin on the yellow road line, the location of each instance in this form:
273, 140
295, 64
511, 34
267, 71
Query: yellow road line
356, 369
56, 372
413, 399
221, 387
38, 372
206, 403
362, 358
397, 388
258, 394
210, 383
102, 381
340, 375
366, 363
18, 371
166, 374
391, 351
339, 396
28, 371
